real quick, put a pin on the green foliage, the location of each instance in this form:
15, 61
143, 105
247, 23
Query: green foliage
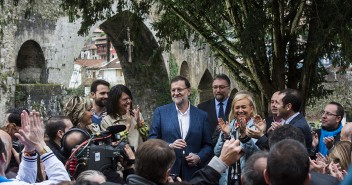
173, 67
20, 96
267, 45
193, 97
79, 91
93, 11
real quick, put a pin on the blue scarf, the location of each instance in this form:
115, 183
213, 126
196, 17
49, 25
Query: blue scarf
324, 133
4, 179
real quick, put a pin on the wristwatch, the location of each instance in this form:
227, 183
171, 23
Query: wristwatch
45, 150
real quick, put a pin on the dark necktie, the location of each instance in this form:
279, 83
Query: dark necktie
221, 111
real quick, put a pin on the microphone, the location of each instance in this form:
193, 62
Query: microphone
112, 130
116, 129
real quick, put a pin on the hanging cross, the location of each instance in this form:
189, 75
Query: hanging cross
129, 45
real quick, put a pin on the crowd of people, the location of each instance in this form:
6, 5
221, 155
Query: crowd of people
221, 141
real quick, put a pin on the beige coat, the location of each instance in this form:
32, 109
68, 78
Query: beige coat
134, 138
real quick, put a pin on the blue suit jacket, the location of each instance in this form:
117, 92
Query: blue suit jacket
165, 126
300, 122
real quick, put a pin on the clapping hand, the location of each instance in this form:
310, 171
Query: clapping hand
136, 112
128, 118
224, 126
242, 126
315, 140
274, 125
335, 171
329, 142
318, 166
260, 126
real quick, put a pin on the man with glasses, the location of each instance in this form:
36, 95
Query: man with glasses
324, 138
185, 128
219, 106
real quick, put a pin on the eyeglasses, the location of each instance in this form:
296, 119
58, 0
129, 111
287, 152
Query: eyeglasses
219, 86
177, 90
328, 113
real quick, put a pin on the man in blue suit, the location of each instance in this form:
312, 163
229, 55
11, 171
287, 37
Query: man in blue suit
288, 105
185, 128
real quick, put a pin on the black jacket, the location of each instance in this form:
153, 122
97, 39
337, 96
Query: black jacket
209, 107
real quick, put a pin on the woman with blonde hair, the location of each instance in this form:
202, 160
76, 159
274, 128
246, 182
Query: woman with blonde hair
79, 110
341, 154
243, 111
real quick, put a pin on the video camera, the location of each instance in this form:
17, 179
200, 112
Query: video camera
102, 151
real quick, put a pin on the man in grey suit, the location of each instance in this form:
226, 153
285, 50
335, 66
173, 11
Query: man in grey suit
185, 128
220, 105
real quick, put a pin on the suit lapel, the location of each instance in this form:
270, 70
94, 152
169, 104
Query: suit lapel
213, 117
174, 120
192, 121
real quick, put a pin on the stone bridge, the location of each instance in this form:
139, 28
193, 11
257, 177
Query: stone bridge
41, 50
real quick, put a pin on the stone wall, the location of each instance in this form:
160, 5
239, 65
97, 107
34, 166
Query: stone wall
201, 64
45, 98
51, 30
147, 76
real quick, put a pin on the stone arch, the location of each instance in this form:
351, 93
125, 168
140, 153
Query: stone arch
184, 70
204, 87
146, 75
233, 92
31, 64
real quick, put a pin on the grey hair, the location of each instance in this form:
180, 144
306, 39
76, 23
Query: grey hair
83, 176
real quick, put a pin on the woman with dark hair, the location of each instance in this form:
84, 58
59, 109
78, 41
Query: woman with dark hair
120, 112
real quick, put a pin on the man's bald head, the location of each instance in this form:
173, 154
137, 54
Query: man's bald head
346, 132
72, 138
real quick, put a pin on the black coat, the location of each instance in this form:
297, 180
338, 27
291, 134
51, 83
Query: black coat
209, 107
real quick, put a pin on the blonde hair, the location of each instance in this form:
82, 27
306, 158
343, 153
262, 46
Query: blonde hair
341, 153
240, 96
75, 107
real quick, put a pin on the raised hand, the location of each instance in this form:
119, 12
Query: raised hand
129, 118
242, 126
231, 152
31, 134
260, 126
224, 126
136, 112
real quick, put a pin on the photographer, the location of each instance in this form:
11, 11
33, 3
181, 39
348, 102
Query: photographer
81, 148
31, 135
